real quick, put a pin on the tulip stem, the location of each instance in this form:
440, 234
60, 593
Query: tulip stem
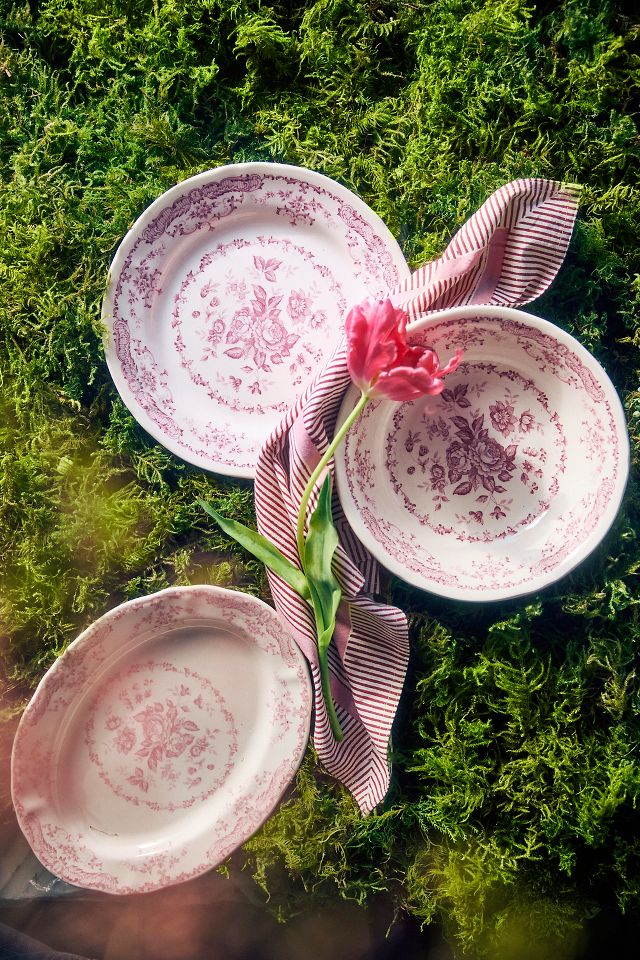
313, 479
325, 682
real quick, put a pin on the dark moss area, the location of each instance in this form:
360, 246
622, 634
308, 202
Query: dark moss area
514, 814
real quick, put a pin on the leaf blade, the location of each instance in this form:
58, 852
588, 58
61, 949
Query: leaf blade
262, 549
320, 547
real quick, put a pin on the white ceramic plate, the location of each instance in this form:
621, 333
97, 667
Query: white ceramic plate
506, 481
161, 739
226, 297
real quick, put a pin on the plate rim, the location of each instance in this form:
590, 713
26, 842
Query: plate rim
146, 884
590, 544
149, 212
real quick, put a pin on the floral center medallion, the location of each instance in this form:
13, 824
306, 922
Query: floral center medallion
254, 312
161, 736
480, 461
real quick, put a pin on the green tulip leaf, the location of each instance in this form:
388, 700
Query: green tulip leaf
320, 547
262, 549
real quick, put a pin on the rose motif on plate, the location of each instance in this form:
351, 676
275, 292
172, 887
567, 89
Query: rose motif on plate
166, 733
502, 417
241, 335
257, 329
483, 461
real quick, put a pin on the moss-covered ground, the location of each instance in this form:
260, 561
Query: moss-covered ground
514, 814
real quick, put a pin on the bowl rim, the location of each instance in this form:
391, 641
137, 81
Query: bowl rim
540, 582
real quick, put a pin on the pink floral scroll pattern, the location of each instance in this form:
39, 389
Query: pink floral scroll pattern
488, 453
64, 854
248, 329
166, 731
377, 257
549, 355
201, 207
581, 522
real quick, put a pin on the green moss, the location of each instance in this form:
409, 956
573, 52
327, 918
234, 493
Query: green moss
513, 816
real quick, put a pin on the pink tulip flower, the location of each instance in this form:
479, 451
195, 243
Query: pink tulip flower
380, 361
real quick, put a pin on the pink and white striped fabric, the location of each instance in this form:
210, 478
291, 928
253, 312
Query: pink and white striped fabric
507, 253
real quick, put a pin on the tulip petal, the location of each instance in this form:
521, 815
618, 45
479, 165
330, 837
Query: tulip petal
407, 383
380, 361
453, 364
376, 338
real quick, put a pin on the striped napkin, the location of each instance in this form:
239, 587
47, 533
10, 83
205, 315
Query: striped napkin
507, 253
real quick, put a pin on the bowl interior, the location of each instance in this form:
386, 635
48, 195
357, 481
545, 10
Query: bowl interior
504, 481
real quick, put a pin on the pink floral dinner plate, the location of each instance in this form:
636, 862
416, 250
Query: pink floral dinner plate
161, 739
227, 296
504, 482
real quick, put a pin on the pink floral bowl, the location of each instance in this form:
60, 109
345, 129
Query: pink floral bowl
503, 483
161, 739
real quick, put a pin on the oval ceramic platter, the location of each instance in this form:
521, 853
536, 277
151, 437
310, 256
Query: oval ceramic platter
504, 482
226, 297
161, 739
